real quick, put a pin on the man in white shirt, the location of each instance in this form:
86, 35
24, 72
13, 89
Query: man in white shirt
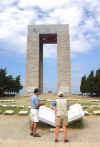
61, 107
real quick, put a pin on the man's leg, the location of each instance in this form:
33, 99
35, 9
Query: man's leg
35, 127
35, 130
31, 128
65, 121
57, 133
57, 121
65, 132
36, 120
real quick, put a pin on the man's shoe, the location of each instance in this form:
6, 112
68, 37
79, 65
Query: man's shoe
56, 140
36, 135
31, 134
66, 140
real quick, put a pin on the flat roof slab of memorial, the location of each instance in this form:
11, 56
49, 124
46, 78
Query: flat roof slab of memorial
48, 29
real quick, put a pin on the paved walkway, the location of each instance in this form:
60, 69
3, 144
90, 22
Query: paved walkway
14, 131
25, 143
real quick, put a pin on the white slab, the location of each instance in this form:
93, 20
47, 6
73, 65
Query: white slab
13, 106
9, 112
92, 106
5, 106
98, 106
86, 113
29, 107
43, 99
85, 106
75, 113
23, 106
47, 115
97, 112
7, 101
23, 112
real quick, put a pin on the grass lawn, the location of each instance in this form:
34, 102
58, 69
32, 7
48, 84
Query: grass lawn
75, 99
83, 100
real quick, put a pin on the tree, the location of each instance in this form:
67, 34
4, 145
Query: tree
9, 85
91, 83
18, 86
2, 81
97, 83
83, 86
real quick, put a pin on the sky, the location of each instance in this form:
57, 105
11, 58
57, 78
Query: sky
83, 17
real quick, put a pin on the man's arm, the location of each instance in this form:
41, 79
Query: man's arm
68, 105
38, 104
53, 105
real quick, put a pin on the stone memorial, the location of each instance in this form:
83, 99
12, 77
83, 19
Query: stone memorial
46, 34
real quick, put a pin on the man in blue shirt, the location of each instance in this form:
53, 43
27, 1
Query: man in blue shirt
34, 113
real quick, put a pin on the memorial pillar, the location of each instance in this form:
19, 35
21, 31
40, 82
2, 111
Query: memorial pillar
63, 54
32, 61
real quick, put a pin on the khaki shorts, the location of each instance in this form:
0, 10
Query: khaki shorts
34, 115
61, 120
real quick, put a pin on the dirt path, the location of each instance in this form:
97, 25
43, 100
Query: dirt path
17, 128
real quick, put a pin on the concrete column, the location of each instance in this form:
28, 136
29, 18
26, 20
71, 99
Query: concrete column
63, 54
32, 61
41, 68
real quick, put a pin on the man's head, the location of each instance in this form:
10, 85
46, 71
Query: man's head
60, 94
36, 91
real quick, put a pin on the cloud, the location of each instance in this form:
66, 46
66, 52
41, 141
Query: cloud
45, 4
7, 3
67, 15
81, 45
83, 18
13, 20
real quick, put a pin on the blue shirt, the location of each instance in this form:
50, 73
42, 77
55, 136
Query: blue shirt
34, 101
54, 104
